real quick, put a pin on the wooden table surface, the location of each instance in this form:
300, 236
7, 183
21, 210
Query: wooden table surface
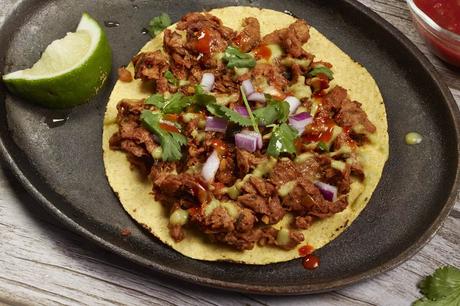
43, 263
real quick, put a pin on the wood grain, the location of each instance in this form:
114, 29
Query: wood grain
42, 263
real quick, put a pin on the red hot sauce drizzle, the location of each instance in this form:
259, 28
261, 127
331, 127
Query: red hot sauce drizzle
309, 260
321, 130
204, 42
263, 52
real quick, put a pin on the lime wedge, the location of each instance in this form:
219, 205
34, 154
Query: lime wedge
70, 71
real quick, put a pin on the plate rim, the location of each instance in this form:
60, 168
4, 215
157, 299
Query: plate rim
275, 290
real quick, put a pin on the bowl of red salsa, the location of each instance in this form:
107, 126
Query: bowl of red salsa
438, 21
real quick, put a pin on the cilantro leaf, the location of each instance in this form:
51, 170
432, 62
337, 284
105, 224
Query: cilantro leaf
282, 140
443, 281
199, 89
218, 110
324, 70
452, 299
229, 114
170, 142
156, 99
274, 111
158, 24
323, 146
171, 78
440, 289
235, 58
176, 103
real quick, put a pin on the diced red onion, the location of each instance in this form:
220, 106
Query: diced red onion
246, 142
257, 96
294, 103
207, 81
242, 110
210, 167
214, 124
260, 143
300, 121
248, 88
329, 192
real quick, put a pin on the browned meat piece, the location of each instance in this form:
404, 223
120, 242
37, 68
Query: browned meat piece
294, 239
268, 236
352, 115
272, 73
263, 188
131, 137
334, 99
245, 220
238, 240
285, 171
181, 60
249, 37
303, 222
161, 170
142, 164
357, 170
218, 221
176, 232
306, 199
298, 34
130, 109
302, 198
205, 33
124, 75
151, 66
343, 139
173, 187
262, 198
291, 38
224, 83
255, 202
310, 169
337, 178
247, 161
225, 173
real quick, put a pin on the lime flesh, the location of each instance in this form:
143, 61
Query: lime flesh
70, 71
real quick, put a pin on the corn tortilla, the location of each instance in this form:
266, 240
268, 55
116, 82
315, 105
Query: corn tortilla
135, 192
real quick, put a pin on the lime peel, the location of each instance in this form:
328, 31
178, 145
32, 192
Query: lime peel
70, 71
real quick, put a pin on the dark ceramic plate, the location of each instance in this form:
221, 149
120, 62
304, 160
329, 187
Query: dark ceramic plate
60, 163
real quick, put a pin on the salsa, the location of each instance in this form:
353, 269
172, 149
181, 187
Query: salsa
445, 13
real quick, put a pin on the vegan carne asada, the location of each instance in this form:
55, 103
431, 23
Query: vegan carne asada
244, 136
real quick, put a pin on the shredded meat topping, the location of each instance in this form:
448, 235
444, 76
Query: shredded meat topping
251, 199
249, 37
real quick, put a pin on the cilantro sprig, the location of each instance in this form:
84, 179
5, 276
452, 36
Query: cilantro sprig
282, 140
274, 111
235, 58
173, 105
254, 122
221, 111
171, 142
158, 24
171, 78
440, 289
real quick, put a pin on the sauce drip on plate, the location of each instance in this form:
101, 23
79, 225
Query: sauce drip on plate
309, 261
